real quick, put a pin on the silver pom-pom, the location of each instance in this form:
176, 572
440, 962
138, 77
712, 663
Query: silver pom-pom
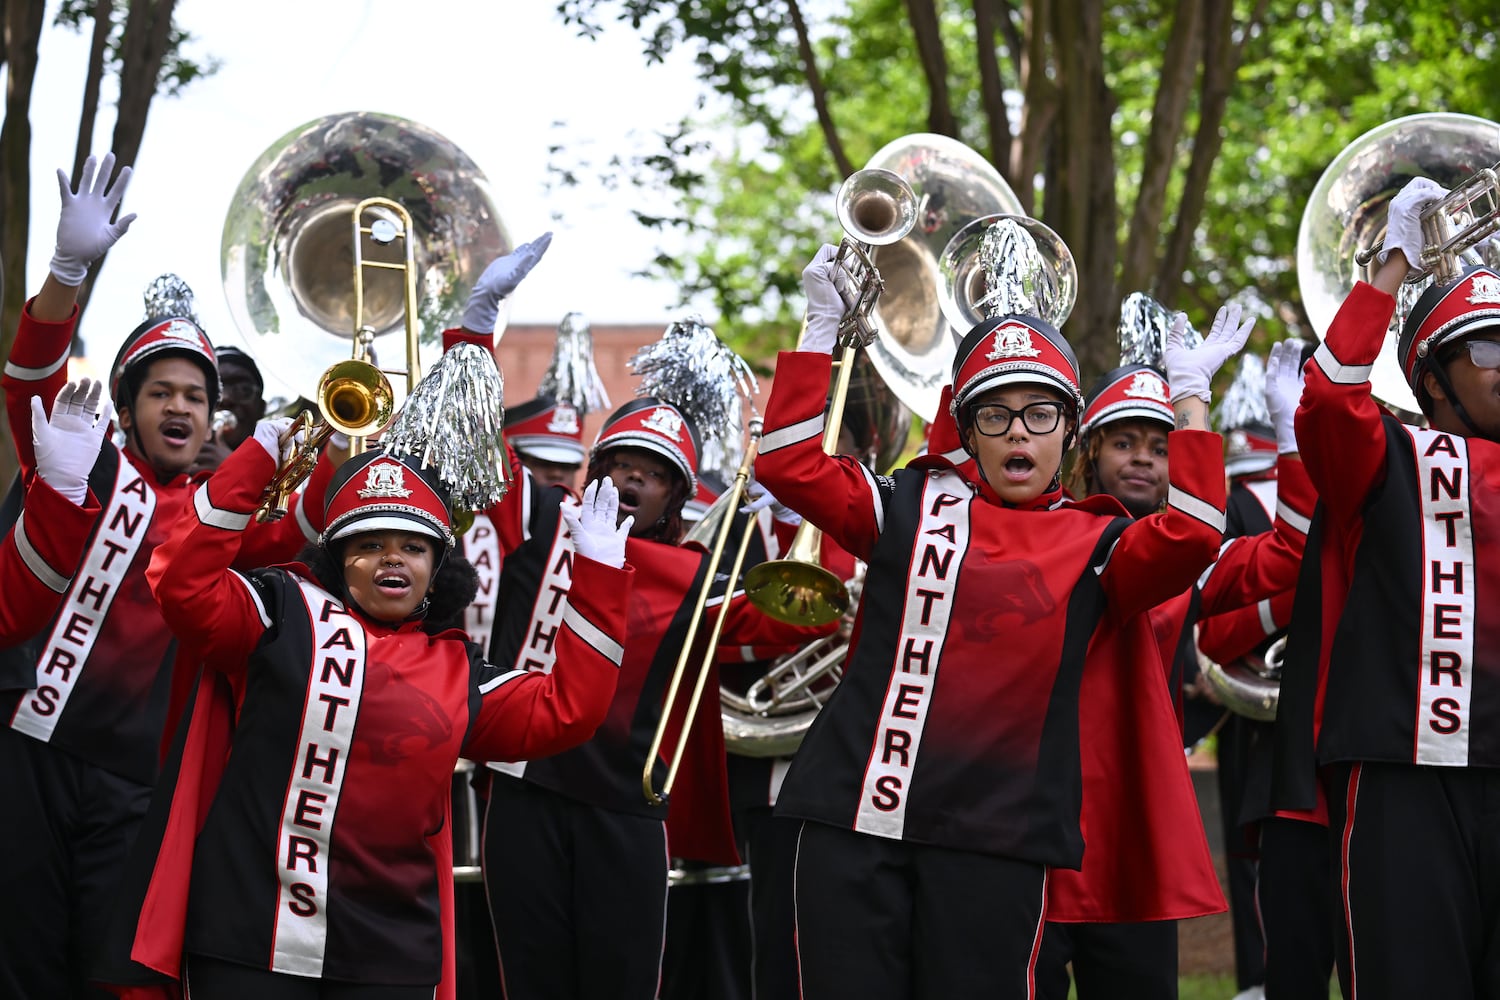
1144, 324
696, 372
1015, 273
168, 295
1244, 402
572, 378
452, 422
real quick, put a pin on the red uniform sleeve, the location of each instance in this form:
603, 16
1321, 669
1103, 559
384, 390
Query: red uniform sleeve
212, 609
1251, 568
1226, 637
1338, 423
833, 492
1161, 555
527, 714
37, 366
39, 556
279, 541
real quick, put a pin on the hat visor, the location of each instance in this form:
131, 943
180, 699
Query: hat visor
1022, 377
385, 521
1130, 412
1244, 465
548, 451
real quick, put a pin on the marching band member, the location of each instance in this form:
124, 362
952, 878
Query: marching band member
37, 568
945, 769
1116, 949
547, 435
322, 858
84, 705
1407, 660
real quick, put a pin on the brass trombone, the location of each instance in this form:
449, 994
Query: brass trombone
354, 396
723, 509
876, 207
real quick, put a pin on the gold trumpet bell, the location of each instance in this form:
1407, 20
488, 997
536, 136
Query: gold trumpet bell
796, 589
355, 398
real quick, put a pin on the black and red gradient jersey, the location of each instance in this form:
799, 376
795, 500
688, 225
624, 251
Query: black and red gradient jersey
957, 721
324, 852
606, 771
36, 568
1409, 650
93, 681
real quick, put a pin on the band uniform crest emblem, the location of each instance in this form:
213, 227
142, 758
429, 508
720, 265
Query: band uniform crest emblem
1145, 385
666, 422
1012, 340
1485, 288
385, 479
564, 420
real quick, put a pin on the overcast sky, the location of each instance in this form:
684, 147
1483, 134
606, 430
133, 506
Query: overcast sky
492, 76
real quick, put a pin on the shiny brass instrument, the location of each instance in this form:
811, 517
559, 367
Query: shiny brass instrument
720, 520
1251, 685
876, 208
953, 185
1344, 221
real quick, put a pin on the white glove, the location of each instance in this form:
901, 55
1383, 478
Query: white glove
592, 523
828, 298
499, 280
760, 498
268, 434
84, 231
1191, 370
1284, 391
1403, 221
67, 446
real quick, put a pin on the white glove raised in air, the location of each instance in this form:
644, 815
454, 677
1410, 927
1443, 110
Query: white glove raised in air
268, 434
828, 298
499, 279
84, 231
1284, 391
592, 524
67, 445
1403, 221
1191, 370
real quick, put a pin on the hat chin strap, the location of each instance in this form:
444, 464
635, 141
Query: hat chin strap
1441, 374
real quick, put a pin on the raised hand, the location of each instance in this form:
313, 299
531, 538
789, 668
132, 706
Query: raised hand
596, 536
84, 229
1284, 391
1403, 221
828, 299
499, 279
67, 444
1191, 370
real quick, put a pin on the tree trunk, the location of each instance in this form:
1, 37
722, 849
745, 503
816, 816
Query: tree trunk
1140, 257
1038, 110
103, 20
934, 58
147, 34
23, 30
991, 87
819, 92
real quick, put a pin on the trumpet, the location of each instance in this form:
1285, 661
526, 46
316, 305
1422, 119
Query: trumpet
1467, 215
876, 207
721, 513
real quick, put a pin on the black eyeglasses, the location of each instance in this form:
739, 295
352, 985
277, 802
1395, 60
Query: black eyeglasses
993, 419
242, 389
1484, 353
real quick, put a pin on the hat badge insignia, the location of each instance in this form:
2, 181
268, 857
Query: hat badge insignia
1485, 288
184, 331
1147, 386
666, 422
564, 420
1012, 341
385, 479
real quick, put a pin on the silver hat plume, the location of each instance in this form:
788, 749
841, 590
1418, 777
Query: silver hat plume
572, 378
1015, 273
1244, 402
691, 368
168, 295
1144, 324
452, 422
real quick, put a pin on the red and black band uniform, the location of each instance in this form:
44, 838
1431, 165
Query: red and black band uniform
83, 701
946, 765
1408, 684
325, 852
36, 567
575, 857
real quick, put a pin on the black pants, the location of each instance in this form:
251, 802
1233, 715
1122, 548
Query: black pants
212, 979
771, 850
577, 895
1135, 961
1418, 863
707, 952
1297, 894
1236, 737
67, 829
881, 919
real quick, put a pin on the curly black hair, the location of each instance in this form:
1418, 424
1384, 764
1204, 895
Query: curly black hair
669, 528
452, 591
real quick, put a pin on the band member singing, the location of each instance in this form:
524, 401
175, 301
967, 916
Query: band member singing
322, 857
941, 783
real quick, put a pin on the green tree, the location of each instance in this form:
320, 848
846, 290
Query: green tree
1172, 144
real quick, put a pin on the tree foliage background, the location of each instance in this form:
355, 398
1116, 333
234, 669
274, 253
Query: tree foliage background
1172, 144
